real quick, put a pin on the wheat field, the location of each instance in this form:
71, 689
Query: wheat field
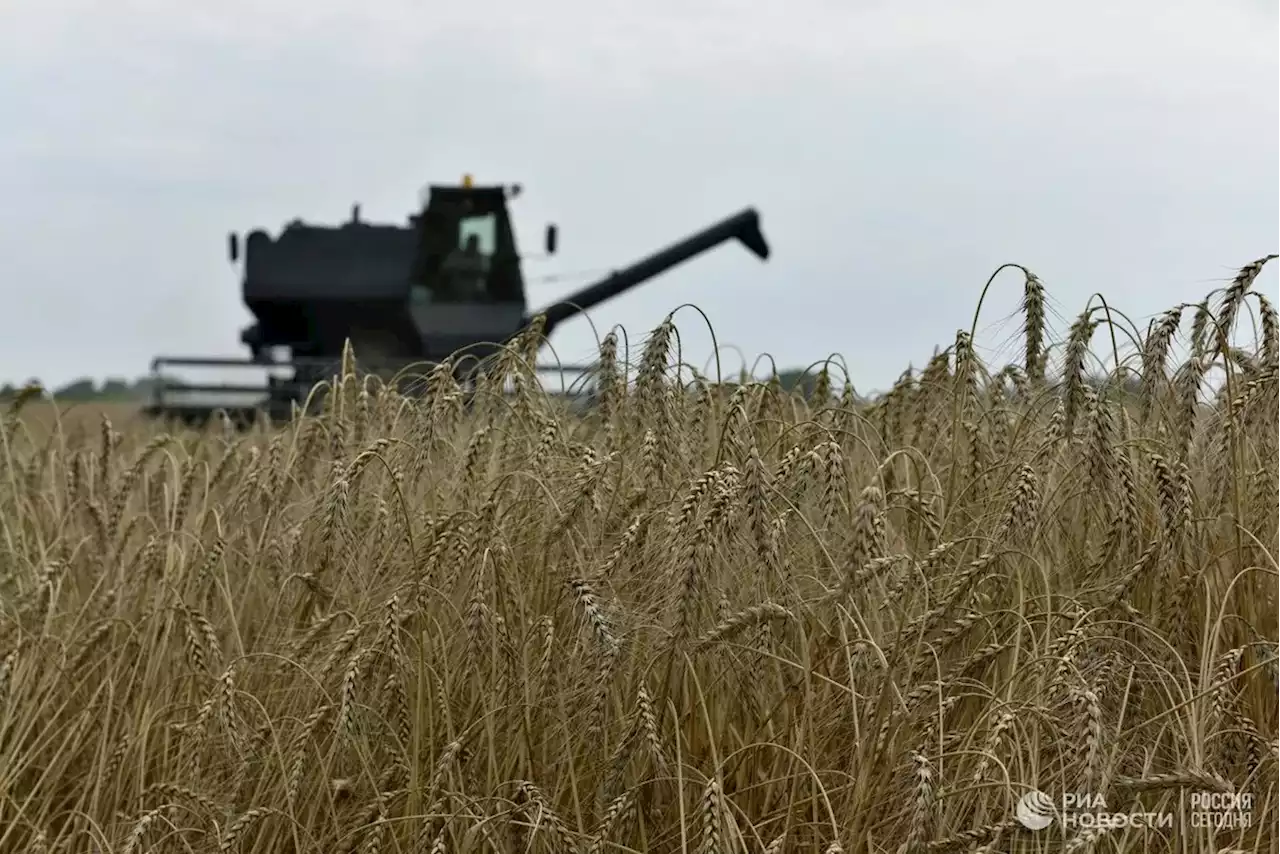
700, 617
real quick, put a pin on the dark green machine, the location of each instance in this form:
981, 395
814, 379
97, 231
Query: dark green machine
447, 282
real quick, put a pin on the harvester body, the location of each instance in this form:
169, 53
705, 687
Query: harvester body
447, 283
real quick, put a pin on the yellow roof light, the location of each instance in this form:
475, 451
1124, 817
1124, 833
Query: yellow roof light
466, 181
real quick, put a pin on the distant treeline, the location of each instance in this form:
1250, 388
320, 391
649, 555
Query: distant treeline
116, 389
84, 388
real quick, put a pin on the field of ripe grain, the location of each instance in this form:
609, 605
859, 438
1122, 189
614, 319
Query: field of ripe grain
716, 620
77, 420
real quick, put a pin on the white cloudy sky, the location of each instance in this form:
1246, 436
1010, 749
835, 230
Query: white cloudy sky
897, 152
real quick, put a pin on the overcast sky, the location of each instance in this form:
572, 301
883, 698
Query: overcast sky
897, 153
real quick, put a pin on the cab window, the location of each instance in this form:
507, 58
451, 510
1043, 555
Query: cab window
484, 228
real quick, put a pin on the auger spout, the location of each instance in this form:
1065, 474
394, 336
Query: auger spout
744, 226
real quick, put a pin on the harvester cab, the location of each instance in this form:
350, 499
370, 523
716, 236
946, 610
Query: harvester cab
447, 283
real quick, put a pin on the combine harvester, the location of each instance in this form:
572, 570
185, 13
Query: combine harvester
449, 282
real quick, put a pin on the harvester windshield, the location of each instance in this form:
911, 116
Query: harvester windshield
464, 275
484, 228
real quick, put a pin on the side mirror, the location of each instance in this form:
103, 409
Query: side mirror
553, 235
233, 247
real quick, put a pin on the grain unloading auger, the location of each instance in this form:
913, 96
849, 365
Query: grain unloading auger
449, 280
